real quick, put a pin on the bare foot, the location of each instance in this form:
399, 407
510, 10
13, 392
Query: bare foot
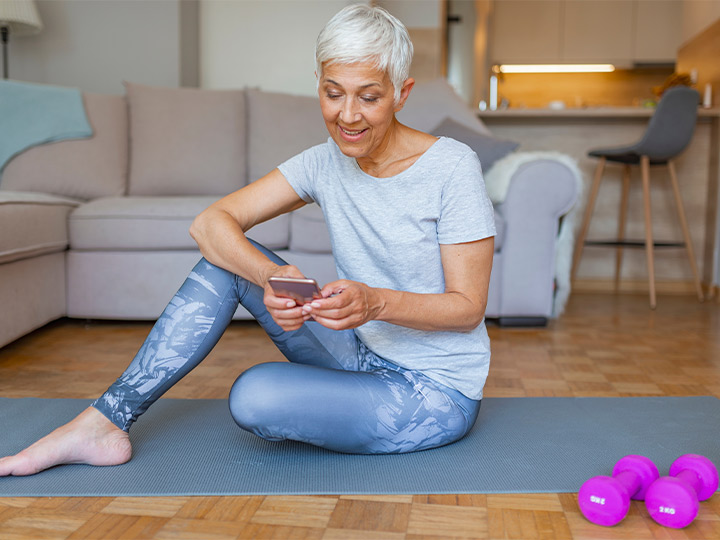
90, 438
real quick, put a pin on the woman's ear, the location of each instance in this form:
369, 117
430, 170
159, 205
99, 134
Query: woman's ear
404, 93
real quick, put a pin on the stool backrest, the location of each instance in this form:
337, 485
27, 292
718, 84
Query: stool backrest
671, 126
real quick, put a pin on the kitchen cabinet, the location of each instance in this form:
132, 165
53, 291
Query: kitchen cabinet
622, 32
658, 30
526, 31
597, 31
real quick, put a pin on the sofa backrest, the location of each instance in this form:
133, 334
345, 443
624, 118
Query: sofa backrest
431, 102
279, 127
82, 168
190, 141
186, 141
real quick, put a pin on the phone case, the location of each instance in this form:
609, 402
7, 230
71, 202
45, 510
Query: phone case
299, 289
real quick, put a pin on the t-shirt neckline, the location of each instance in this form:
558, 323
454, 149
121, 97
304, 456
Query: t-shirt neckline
397, 176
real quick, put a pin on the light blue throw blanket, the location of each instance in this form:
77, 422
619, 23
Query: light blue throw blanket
33, 114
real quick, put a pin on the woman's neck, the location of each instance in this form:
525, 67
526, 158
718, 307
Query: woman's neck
401, 147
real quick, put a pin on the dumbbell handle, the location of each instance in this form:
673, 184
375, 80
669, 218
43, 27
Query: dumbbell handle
690, 478
630, 481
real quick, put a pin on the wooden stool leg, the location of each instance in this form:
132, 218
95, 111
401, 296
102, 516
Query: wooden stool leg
685, 229
579, 244
621, 224
645, 167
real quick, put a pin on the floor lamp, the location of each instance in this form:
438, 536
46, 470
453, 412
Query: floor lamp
17, 17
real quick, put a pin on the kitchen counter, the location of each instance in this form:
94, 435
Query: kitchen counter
575, 131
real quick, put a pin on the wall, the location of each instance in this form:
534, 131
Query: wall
96, 45
424, 22
697, 16
263, 43
701, 54
270, 43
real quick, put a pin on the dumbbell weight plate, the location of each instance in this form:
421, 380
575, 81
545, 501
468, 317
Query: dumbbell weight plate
606, 501
705, 470
603, 501
672, 503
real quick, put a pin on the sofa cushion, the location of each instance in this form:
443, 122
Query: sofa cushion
279, 127
308, 232
488, 148
152, 223
83, 168
186, 141
32, 224
431, 102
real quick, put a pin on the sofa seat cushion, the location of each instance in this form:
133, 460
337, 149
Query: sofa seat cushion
152, 223
32, 224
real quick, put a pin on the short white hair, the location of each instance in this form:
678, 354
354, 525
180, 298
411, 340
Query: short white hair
360, 33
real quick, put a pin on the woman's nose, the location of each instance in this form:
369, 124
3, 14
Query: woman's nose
349, 112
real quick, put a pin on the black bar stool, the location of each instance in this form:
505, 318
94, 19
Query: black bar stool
668, 134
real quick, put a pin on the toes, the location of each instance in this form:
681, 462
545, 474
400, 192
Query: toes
16, 466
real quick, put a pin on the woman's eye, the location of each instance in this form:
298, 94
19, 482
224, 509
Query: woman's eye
369, 99
333, 96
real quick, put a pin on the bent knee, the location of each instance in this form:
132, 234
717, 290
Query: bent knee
253, 397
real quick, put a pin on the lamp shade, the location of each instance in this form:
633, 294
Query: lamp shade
20, 16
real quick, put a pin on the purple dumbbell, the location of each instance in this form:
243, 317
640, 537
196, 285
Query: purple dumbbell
605, 500
673, 501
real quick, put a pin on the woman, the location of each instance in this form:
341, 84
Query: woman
394, 356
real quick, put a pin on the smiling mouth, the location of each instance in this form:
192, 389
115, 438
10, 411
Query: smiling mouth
352, 133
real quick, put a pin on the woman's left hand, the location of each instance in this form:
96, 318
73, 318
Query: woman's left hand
345, 304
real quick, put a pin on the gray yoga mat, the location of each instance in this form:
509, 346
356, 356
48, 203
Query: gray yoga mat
518, 445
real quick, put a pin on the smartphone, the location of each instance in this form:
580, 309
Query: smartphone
302, 290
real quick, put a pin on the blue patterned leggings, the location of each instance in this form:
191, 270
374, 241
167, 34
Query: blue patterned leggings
334, 393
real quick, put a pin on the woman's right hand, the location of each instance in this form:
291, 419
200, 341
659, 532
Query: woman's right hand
287, 313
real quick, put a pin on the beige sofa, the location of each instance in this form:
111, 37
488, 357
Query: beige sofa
97, 228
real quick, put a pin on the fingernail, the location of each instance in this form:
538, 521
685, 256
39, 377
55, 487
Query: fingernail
315, 304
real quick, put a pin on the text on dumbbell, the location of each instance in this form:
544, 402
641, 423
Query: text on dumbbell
597, 500
666, 510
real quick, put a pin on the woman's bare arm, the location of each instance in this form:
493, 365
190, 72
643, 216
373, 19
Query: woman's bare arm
461, 307
220, 229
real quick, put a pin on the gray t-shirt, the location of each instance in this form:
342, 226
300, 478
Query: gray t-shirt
386, 232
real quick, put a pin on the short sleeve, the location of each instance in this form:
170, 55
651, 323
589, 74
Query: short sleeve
301, 172
466, 212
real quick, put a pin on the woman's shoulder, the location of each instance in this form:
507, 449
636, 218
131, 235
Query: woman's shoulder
453, 147
315, 156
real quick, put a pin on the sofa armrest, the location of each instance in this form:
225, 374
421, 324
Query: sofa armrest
540, 193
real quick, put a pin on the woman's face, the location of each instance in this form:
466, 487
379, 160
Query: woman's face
358, 106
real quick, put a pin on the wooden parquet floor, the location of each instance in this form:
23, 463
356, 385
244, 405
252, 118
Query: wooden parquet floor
604, 345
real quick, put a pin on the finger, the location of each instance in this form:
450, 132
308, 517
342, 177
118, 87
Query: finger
337, 301
334, 288
289, 324
287, 314
336, 324
278, 302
